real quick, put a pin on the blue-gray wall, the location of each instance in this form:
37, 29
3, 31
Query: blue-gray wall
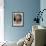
29, 7
43, 6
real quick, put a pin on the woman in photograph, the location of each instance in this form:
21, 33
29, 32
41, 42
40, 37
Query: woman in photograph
17, 18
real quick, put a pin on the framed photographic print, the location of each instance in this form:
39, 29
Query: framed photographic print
17, 19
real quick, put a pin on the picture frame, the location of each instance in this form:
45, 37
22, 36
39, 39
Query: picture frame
17, 19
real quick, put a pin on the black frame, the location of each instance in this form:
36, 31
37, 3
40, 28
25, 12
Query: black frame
23, 19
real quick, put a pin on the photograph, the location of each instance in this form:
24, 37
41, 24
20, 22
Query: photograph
18, 19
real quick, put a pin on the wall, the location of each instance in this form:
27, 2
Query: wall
43, 6
1, 20
29, 7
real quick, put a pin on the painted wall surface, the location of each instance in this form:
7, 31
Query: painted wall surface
43, 6
1, 20
29, 7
